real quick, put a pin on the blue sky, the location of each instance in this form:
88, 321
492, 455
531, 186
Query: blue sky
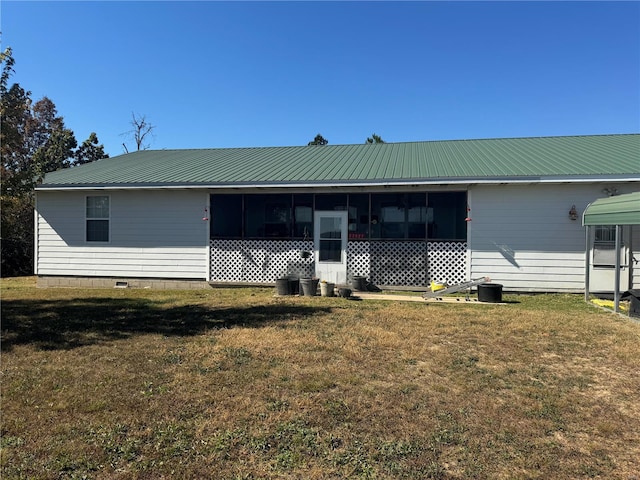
240, 74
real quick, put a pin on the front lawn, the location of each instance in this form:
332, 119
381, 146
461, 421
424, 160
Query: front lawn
239, 384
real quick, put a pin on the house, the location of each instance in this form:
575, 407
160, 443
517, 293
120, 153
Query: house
400, 214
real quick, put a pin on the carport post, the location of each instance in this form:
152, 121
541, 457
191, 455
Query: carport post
616, 295
587, 263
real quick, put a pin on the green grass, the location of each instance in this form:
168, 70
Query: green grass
239, 384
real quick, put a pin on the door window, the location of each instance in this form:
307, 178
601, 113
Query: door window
330, 239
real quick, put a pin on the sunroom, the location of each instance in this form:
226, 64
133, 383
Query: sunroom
392, 238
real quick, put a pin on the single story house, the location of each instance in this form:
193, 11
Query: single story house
400, 214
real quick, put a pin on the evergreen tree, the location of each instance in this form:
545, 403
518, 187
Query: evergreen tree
318, 140
374, 139
89, 151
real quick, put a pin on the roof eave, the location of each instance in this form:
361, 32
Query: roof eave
346, 183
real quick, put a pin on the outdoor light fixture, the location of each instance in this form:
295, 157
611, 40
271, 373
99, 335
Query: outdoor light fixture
573, 213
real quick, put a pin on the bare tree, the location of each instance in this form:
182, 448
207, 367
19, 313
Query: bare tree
140, 131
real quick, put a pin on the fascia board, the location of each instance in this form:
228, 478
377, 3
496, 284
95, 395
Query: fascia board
360, 184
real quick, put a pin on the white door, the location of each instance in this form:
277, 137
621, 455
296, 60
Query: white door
330, 244
602, 274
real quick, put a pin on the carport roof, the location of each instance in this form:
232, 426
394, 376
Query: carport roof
508, 160
617, 210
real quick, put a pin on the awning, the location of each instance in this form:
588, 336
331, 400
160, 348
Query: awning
616, 210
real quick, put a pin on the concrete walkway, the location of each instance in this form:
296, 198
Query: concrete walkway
419, 298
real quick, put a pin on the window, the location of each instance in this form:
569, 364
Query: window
330, 249
446, 214
303, 215
393, 216
416, 210
268, 216
398, 215
605, 234
604, 246
97, 218
358, 216
331, 201
226, 216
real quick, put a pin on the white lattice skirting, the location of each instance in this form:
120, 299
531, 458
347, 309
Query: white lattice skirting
447, 262
383, 263
259, 261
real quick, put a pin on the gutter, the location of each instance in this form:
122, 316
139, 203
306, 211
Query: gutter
339, 184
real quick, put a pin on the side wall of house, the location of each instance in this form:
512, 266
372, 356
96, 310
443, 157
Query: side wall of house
153, 234
521, 236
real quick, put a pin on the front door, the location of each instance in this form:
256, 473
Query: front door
330, 244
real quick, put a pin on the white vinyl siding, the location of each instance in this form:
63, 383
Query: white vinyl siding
522, 236
153, 234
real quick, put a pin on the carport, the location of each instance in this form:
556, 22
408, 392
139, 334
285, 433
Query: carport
615, 211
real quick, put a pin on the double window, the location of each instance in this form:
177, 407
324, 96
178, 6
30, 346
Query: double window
97, 218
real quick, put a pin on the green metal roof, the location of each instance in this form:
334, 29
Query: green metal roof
618, 210
451, 161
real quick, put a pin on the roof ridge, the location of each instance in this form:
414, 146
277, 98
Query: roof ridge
543, 137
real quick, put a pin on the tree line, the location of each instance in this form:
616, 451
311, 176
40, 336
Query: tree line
320, 140
34, 140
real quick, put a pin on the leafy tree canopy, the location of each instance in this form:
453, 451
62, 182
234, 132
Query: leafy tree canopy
7, 60
33, 141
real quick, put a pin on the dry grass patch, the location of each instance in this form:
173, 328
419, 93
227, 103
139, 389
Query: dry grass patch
236, 383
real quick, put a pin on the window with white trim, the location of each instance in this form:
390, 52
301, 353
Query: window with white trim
97, 218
